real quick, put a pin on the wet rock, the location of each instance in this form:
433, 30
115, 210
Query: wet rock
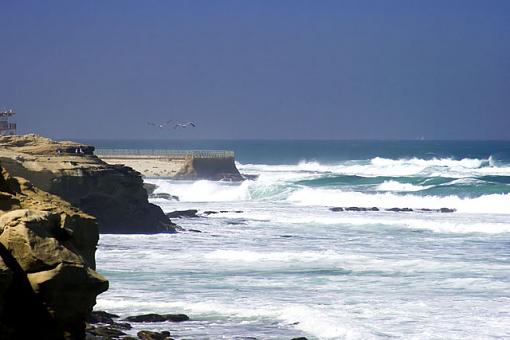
300, 338
106, 332
149, 187
165, 196
212, 212
183, 213
101, 317
400, 209
153, 317
121, 325
250, 177
336, 209
176, 317
446, 210
149, 335
194, 230
146, 318
237, 222
355, 209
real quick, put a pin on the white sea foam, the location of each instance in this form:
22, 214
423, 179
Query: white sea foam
335, 260
397, 186
204, 191
441, 167
302, 317
313, 321
493, 203
427, 222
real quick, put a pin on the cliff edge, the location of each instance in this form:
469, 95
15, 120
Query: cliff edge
114, 194
48, 283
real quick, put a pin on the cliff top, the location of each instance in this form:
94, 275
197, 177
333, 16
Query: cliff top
18, 193
33, 144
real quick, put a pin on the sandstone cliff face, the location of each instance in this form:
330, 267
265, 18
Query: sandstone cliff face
214, 169
48, 285
113, 194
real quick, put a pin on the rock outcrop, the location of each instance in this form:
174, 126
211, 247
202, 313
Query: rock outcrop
214, 169
48, 284
114, 194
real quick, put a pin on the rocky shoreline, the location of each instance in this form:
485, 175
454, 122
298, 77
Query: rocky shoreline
113, 194
50, 222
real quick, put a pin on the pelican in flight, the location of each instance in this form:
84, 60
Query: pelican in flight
184, 125
161, 125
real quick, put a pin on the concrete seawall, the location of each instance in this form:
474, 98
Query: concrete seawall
182, 165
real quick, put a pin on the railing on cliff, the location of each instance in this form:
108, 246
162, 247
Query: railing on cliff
165, 153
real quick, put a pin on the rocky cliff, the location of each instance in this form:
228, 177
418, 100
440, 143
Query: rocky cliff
113, 194
48, 284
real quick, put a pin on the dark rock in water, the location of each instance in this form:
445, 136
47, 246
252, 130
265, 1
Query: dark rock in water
149, 187
374, 209
212, 212
446, 210
336, 209
146, 318
121, 325
149, 335
241, 222
153, 317
400, 209
194, 230
164, 196
250, 176
355, 209
182, 213
176, 317
106, 332
101, 317
300, 338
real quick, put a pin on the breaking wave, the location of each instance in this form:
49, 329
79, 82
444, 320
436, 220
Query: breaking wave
493, 203
378, 166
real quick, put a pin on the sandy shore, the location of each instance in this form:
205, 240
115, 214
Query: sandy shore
149, 166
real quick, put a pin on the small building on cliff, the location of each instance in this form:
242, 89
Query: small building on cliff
6, 127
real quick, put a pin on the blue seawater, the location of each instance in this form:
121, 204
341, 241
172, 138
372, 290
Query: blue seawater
278, 263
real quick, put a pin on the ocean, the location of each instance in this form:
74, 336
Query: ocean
278, 263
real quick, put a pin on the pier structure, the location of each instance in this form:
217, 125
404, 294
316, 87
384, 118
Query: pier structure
6, 127
176, 164
155, 153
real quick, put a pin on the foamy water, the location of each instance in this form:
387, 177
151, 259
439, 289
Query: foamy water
278, 263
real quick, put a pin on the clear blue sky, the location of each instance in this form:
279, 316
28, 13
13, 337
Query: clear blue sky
258, 69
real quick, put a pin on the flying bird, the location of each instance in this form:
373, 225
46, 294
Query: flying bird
184, 125
159, 125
